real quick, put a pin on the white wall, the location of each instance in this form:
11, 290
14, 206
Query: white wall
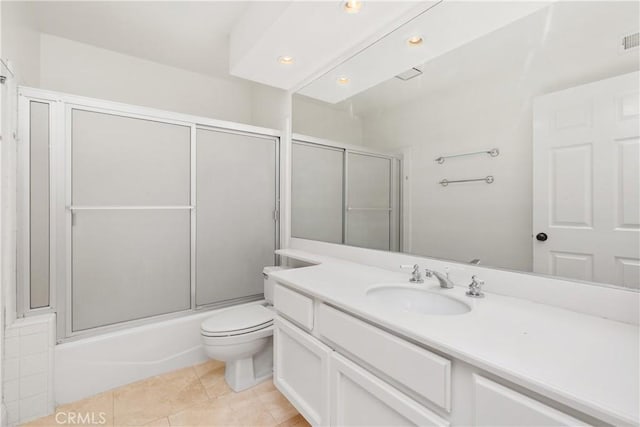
322, 120
81, 69
20, 41
50, 62
270, 107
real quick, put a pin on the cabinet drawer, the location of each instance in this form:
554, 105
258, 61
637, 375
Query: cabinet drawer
360, 399
422, 372
497, 405
301, 371
294, 306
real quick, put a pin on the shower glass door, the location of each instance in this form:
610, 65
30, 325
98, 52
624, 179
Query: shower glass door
369, 201
317, 192
130, 213
236, 230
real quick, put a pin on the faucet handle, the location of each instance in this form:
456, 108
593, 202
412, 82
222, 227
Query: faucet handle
475, 287
415, 274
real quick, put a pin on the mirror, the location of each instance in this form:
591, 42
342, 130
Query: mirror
505, 132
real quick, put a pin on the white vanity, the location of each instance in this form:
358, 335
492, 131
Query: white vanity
345, 358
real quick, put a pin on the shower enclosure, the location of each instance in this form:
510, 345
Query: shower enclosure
128, 213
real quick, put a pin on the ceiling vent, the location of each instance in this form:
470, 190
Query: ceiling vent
631, 41
409, 74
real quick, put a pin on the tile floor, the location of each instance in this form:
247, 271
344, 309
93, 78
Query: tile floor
194, 396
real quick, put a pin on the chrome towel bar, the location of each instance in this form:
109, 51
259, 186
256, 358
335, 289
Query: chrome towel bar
129, 208
351, 208
488, 179
494, 152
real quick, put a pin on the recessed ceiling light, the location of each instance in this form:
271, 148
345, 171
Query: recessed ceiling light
352, 6
414, 41
343, 80
285, 59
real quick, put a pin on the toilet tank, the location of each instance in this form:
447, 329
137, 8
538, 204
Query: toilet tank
269, 283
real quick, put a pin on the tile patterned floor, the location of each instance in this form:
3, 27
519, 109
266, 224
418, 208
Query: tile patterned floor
194, 396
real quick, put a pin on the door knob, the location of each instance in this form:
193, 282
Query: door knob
542, 237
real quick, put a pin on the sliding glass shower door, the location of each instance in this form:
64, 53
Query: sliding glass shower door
151, 236
340, 195
236, 232
317, 192
131, 213
127, 214
368, 201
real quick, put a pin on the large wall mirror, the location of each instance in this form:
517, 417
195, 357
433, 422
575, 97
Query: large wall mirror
504, 132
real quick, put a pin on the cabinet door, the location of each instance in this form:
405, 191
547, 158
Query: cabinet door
301, 371
360, 399
496, 405
420, 371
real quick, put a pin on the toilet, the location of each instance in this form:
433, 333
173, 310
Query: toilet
242, 337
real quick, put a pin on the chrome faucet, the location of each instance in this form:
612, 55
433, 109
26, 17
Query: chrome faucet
416, 277
444, 280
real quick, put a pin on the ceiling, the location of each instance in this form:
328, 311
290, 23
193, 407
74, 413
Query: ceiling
444, 27
317, 34
192, 35
548, 50
223, 38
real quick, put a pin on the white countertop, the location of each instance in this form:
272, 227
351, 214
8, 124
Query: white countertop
588, 363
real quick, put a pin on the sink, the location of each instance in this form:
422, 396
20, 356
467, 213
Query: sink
416, 300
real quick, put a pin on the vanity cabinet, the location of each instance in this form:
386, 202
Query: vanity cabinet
329, 389
339, 370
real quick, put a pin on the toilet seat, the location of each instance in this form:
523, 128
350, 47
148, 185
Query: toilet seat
237, 321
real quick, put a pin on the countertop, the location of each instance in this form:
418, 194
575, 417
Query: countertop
585, 362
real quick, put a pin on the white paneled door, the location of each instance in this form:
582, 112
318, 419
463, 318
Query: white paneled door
586, 179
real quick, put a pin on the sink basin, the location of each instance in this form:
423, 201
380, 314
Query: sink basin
416, 300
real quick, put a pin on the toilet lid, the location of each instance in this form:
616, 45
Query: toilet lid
238, 320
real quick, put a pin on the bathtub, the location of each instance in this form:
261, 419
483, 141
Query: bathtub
89, 366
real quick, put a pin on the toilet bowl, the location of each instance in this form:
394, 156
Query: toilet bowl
242, 337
